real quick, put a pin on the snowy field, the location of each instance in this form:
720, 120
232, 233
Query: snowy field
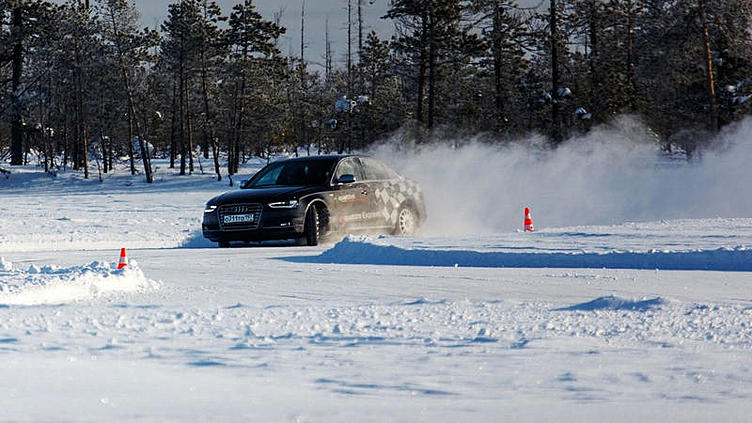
646, 321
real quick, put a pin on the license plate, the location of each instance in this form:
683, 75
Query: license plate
238, 218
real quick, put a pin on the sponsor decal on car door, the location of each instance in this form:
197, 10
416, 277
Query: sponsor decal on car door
351, 199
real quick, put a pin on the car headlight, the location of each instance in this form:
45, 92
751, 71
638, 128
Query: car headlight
210, 209
289, 204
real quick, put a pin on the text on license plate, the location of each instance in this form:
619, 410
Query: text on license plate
238, 218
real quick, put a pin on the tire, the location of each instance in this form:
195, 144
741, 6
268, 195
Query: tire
312, 227
407, 222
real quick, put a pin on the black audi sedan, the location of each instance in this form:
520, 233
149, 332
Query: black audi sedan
311, 198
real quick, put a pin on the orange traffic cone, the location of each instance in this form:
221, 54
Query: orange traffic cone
123, 259
528, 221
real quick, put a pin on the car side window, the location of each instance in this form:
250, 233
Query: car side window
376, 170
348, 167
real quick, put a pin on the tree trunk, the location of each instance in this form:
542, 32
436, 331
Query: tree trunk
709, 67
497, 60
173, 144
46, 148
234, 130
431, 69
82, 141
422, 69
111, 156
239, 125
102, 144
349, 74
555, 113
16, 143
103, 147
83, 130
181, 131
133, 120
85, 146
66, 143
132, 115
189, 127
47, 136
208, 130
205, 94
129, 142
631, 82
76, 127
360, 28
594, 60
327, 56
302, 102
181, 107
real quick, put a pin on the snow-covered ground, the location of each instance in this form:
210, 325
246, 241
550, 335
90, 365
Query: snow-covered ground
699, 244
566, 324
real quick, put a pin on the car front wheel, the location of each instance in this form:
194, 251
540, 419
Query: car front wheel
312, 226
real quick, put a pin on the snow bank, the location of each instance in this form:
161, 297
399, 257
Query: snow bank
364, 250
616, 304
613, 174
53, 285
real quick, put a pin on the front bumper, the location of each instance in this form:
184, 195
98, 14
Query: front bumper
273, 224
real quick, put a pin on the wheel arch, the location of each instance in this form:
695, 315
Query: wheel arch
318, 202
409, 202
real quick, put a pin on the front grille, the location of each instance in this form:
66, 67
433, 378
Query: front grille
240, 209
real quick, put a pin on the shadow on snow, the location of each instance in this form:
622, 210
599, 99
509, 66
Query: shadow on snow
350, 251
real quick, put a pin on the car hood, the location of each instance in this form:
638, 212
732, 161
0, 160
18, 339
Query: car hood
263, 195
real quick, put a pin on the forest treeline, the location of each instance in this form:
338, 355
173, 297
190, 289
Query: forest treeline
83, 83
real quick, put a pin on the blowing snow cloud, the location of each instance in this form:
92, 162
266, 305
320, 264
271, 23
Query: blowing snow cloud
612, 175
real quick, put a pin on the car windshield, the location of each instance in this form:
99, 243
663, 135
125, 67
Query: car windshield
293, 173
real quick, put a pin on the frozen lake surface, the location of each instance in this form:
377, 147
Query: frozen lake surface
630, 322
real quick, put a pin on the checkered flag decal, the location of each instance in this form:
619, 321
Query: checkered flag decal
391, 195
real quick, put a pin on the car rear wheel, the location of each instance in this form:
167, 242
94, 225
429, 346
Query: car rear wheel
407, 222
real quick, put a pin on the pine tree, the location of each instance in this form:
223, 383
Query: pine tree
27, 21
430, 37
180, 48
252, 40
212, 51
17, 39
129, 44
503, 64
383, 111
687, 57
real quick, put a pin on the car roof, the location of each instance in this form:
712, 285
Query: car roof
319, 157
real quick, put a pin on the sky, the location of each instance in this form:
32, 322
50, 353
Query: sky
317, 11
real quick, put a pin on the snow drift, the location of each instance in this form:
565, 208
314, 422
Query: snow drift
362, 251
33, 285
686, 244
613, 303
613, 174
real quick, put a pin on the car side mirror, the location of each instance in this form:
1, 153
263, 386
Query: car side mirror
242, 184
346, 179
